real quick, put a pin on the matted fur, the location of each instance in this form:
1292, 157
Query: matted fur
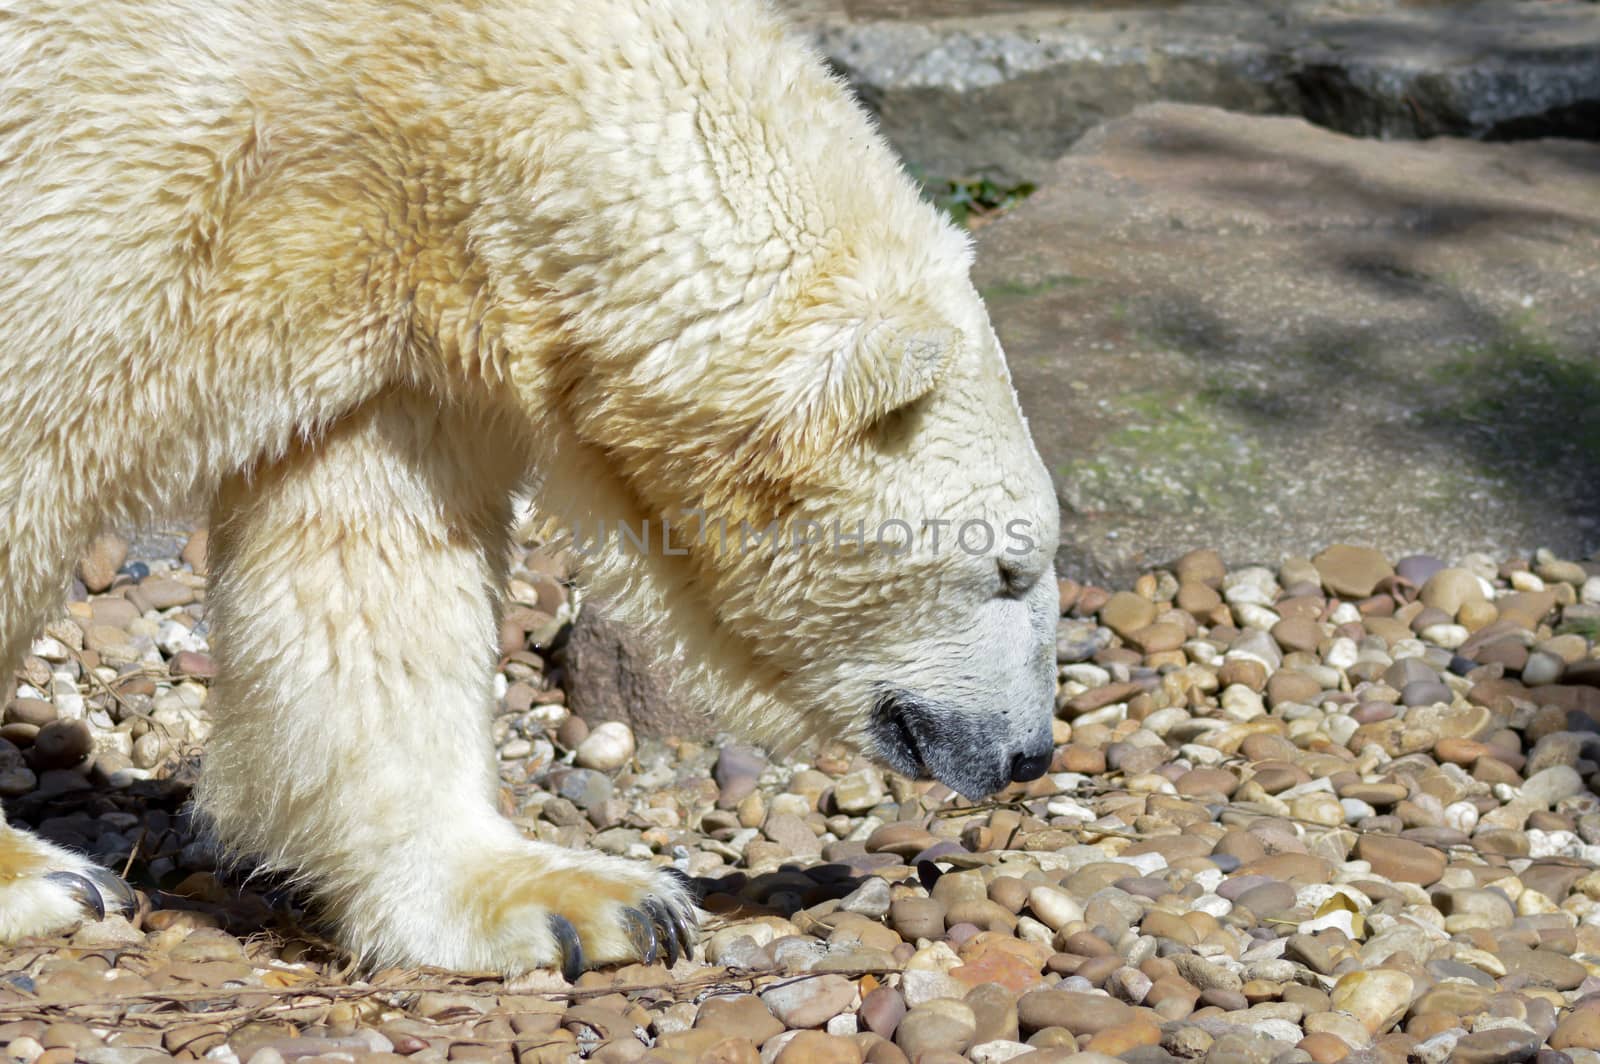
349, 273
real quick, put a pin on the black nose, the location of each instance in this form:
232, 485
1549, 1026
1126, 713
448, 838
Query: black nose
1025, 767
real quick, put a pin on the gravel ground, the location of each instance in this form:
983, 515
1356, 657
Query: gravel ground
1343, 809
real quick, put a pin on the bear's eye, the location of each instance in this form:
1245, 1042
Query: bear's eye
1015, 580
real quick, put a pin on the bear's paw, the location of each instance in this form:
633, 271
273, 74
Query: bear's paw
46, 890
518, 905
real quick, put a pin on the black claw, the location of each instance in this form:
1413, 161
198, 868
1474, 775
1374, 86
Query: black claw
667, 933
640, 933
568, 946
96, 890
114, 890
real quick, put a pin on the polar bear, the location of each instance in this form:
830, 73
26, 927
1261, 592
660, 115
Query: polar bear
351, 273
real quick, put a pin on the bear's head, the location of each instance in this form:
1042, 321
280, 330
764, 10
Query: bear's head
777, 421
850, 532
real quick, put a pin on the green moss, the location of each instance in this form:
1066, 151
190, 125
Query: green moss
1170, 453
1522, 400
1587, 627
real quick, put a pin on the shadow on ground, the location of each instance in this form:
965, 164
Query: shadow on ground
1253, 334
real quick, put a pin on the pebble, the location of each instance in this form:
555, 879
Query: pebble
608, 746
1401, 859
101, 562
1235, 751
939, 1024
809, 1002
1351, 572
1377, 998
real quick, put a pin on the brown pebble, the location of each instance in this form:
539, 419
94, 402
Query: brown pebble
1120, 1039
1324, 1048
62, 744
1075, 1012
738, 1014
1200, 566
1197, 599
1297, 687
1401, 859
994, 1011
816, 1047
916, 918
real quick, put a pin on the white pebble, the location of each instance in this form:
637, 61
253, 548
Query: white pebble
1107, 715
173, 638
1448, 636
1340, 727
1054, 907
1064, 806
1031, 930
1342, 653
1463, 816
1591, 591
1522, 580
49, 649
997, 1052
1440, 1047
1251, 615
551, 715
1278, 1030
1163, 721
1247, 595
1355, 810
24, 1049
1345, 613
70, 707
1088, 675
1241, 703
608, 747
1552, 843
1148, 864
1209, 756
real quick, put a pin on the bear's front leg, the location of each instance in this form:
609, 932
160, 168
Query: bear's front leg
353, 601
45, 889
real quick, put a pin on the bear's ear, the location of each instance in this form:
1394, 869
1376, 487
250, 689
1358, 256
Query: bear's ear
894, 364
883, 366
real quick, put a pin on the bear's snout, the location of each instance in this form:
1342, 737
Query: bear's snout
975, 754
1029, 766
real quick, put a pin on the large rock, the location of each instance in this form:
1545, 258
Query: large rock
1004, 91
1253, 334
611, 674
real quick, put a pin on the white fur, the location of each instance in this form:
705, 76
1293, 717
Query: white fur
30, 903
349, 272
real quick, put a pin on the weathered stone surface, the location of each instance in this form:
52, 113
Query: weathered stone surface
1261, 336
1001, 89
611, 675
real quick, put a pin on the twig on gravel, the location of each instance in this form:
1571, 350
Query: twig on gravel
122, 703
283, 999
